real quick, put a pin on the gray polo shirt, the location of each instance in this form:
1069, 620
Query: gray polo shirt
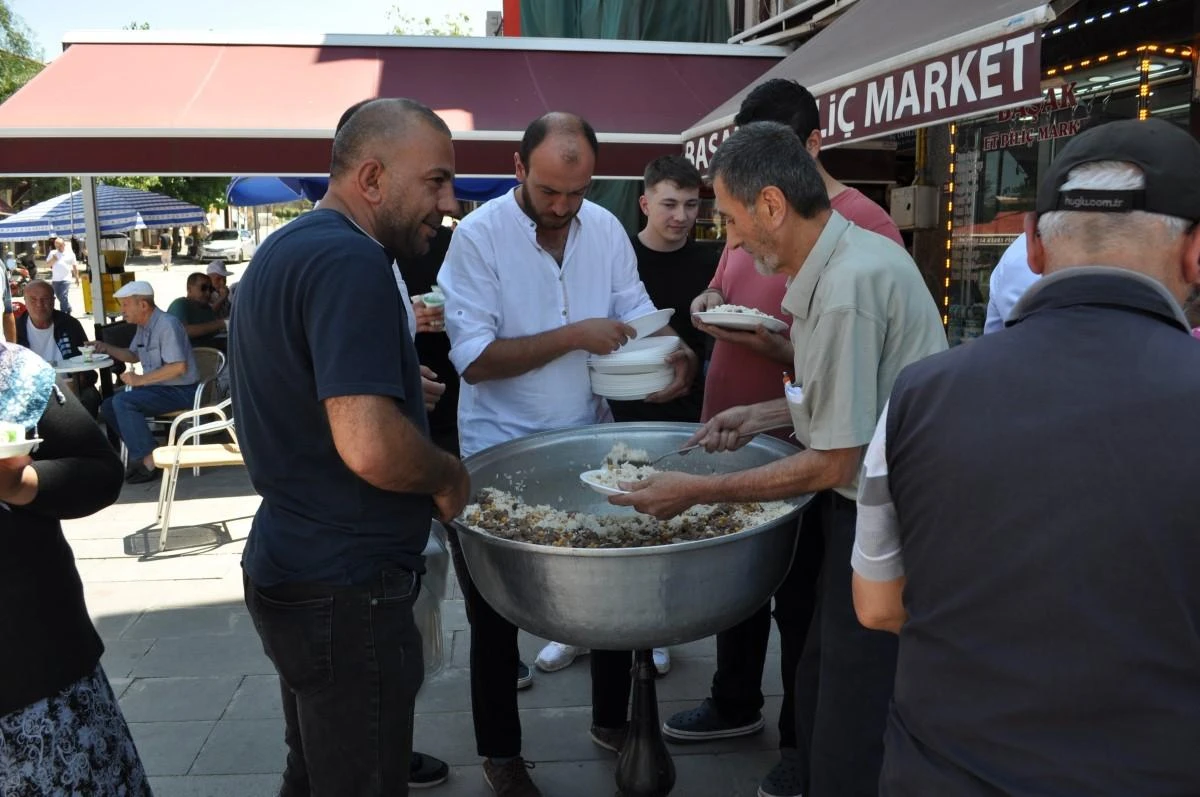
862, 313
163, 340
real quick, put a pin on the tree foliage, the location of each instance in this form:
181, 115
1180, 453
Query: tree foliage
20, 60
204, 192
450, 24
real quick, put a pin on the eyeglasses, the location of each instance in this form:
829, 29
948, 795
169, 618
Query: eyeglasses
206, 287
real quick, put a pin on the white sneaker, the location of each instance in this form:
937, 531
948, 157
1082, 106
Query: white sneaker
557, 656
662, 661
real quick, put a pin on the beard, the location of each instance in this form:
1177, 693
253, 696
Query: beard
403, 233
545, 221
766, 265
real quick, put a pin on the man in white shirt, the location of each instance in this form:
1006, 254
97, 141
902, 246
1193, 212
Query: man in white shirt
64, 272
1009, 280
534, 282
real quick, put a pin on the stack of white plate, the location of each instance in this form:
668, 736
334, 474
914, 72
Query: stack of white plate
634, 371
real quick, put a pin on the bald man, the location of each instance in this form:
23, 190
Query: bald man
328, 395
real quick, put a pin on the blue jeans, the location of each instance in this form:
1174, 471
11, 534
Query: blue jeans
126, 411
61, 287
349, 662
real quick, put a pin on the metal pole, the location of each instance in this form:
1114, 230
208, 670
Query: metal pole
91, 218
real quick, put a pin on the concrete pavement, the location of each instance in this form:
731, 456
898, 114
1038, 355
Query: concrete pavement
203, 702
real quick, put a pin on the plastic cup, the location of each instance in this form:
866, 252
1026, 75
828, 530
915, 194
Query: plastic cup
87, 352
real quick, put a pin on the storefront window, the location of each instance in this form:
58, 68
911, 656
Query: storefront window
999, 161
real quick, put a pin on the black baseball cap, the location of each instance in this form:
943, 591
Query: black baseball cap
1168, 155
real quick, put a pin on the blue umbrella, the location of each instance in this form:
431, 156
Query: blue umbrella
119, 209
249, 191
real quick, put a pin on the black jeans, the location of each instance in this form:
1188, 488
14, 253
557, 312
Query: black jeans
494, 660
350, 664
846, 673
742, 650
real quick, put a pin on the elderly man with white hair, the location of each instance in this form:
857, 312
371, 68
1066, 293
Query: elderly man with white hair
167, 381
1027, 517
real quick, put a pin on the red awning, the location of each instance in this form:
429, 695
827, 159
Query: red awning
130, 102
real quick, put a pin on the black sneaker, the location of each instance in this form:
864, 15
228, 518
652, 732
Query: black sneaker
611, 739
784, 779
511, 778
425, 771
140, 474
704, 723
524, 675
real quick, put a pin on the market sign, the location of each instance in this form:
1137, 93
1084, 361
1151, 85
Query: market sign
995, 74
1039, 122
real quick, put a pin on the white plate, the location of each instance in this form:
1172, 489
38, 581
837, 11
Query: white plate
633, 367
98, 360
660, 375
649, 324
590, 478
19, 448
630, 388
741, 321
641, 348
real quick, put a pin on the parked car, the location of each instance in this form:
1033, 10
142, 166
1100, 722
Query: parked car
232, 246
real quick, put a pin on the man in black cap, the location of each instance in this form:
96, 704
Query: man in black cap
1027, 517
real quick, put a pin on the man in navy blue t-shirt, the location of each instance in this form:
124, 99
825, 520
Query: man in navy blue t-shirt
329, 403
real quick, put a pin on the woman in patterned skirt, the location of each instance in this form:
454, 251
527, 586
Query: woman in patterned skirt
61, 730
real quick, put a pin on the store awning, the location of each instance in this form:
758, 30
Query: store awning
885, 67
144, 102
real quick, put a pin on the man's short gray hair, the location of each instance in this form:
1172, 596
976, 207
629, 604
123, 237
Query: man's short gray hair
375, 121
1101, 230
763, 154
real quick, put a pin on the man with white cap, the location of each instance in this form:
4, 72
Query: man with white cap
221, 297
167, 381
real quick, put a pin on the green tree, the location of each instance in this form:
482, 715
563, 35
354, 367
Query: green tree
204, 192
135, 25
20, 60
450, 24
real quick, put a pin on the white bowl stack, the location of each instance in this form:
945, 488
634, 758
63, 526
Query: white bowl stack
634, 371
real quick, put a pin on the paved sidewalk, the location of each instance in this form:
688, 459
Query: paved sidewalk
203, 703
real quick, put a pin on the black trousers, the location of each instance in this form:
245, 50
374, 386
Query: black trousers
846, 673
742, 650
350, 664
494, 660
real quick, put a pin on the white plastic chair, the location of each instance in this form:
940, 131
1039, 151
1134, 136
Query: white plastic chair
177, 454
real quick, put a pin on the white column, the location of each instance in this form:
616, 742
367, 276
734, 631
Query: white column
91, 220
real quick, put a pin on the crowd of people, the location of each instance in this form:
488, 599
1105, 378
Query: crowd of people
990, 593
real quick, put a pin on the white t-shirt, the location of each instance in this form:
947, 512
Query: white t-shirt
42, 343
60, 265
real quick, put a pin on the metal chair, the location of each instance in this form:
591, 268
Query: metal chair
177, 454
210, 365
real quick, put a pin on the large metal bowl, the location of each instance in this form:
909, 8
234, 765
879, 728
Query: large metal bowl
624, 598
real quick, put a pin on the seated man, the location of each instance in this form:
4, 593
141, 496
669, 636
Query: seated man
167, 381
196, 314
221, 297
55, 336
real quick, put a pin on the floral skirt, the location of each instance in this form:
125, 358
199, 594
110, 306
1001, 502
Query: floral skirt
75, 743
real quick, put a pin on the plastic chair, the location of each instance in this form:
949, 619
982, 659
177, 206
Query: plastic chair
177, 454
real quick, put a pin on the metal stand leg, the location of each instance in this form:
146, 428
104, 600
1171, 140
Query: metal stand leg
644, 768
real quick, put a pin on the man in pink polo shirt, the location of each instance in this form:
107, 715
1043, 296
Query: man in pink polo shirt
747, 368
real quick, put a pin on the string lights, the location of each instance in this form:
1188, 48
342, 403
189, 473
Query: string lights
1157, 49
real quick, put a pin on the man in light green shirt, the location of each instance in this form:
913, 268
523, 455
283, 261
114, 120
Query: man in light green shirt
862, 313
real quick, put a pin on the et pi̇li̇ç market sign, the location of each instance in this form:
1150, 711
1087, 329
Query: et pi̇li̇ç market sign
998, 73
1042, 126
